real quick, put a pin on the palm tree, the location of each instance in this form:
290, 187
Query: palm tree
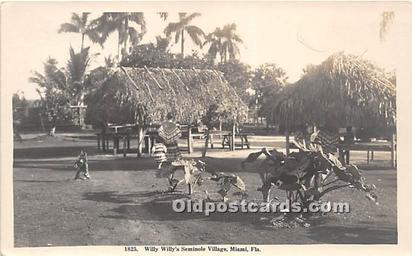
215, 41
224, 41
230, 40
76, 71
386, 22
79, 24
52, 92
163, 15
125, 24
179, 28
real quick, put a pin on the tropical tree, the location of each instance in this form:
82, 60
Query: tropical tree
179, 28
76, 71
238, 75
214, 40
60, 88
386, 22
230, 44
225, 42
20, 106
131, 27
79, 23
163, 15
267, 81
53, 93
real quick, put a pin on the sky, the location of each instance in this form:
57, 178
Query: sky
291, 35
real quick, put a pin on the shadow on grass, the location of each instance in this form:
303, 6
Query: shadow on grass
352, 235
51, 152
44, 181
160, 208
120, 164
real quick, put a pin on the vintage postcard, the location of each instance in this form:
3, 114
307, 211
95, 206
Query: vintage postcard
224, 128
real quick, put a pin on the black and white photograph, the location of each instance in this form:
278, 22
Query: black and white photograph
202, 127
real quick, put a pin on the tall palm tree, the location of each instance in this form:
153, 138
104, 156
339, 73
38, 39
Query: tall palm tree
224, 41
230, 40
214, 39
52, 92
179, 28
163, 15
79, 24
126, 24
386, 22
76, 71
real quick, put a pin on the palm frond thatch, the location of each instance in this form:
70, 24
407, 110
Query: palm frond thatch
343, 90
146, 95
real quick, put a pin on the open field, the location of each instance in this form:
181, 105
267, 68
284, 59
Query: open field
123, 203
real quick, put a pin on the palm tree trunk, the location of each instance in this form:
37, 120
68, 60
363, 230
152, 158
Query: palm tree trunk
226, 55
52, 131
118, 49
183, 42
81, 49
126, 26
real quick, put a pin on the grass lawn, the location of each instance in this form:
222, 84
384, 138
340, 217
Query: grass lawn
123, 205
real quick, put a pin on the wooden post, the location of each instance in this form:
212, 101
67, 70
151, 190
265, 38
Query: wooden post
189, 139
232, 138
348, 156
367, 157
103, 142
149, 146
287, 142
124, 146
393, 145
206, 143
140, 139
98, 141
115, 144
287, 137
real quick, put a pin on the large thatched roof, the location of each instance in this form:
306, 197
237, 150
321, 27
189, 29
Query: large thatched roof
344, 90
146, 95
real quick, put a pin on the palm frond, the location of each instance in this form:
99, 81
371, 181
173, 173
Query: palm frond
84, 18
137, 17
187, 19
77, 21
237, 38
163, 15
68, 28
195, 34
172, 27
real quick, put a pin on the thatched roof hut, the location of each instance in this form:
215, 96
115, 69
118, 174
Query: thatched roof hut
344, 90
146, 95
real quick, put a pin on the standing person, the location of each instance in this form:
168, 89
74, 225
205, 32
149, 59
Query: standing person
169, 134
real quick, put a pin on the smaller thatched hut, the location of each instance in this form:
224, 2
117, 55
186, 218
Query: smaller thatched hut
146, 95
344, 90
